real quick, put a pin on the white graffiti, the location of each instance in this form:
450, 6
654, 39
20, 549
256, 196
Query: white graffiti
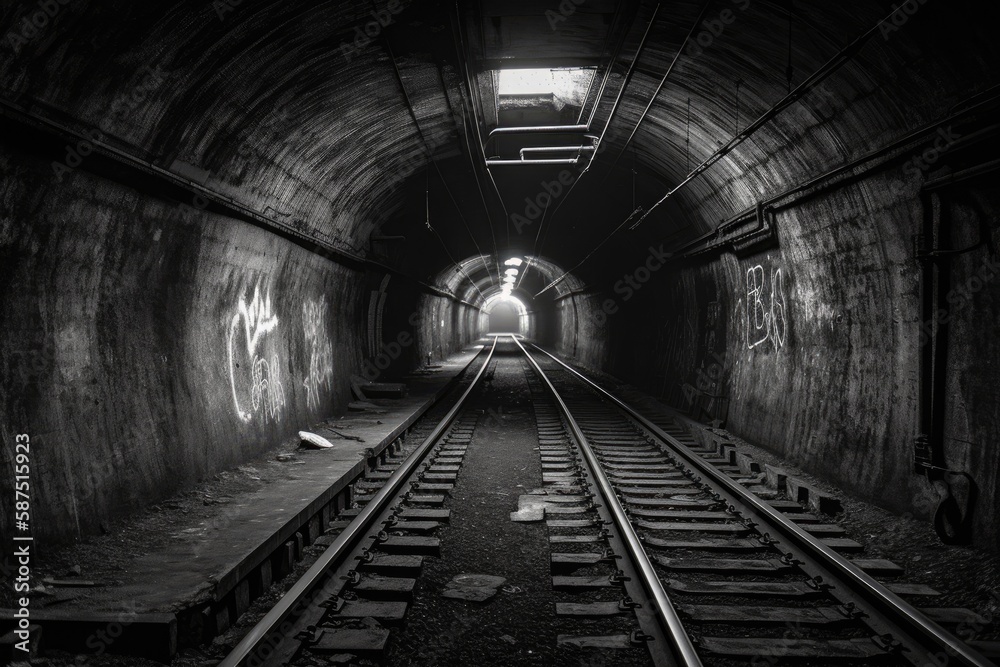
319, 349
267, 395
765, 312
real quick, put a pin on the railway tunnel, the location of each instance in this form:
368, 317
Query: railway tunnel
229, 223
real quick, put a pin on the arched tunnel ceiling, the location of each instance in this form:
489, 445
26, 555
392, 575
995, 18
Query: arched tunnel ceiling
474, 279
356, 139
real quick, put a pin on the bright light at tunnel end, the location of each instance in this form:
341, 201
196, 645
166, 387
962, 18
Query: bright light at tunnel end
505, 297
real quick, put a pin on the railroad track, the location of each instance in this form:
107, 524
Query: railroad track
660, 541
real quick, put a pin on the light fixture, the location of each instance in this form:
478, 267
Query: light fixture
511, 272
513, 261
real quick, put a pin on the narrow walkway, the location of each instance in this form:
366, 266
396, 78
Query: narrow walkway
192, 561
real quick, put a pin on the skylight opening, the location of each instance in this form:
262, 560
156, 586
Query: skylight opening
567, 84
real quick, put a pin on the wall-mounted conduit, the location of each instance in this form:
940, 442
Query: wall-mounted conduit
932, 248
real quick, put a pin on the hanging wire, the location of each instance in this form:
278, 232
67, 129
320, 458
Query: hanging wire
788, 69
633, 177
427, 222
688, 144
736, 121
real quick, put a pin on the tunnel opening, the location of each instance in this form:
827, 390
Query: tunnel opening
507, 314
504, 319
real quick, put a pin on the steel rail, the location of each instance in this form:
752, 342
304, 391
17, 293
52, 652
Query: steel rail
682, 648
357, 530
912, 628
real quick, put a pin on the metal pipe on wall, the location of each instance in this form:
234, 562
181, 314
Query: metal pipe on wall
558, 149
628, 78
663, 81
829, 67
539, 129
507, 163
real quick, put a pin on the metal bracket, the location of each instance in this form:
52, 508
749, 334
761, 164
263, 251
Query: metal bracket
790, 559
816, 583
619, 577
334, 604
311, 634
639, 638
609, 555
850, 610
887, 643
627, 604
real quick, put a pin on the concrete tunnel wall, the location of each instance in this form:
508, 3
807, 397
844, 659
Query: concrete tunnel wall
814, 336
831, 381
102, 274
121, 300
150, 345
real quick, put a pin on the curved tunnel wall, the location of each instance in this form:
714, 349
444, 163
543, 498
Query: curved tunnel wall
809, 341
814, 324
148, 344
812, 349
